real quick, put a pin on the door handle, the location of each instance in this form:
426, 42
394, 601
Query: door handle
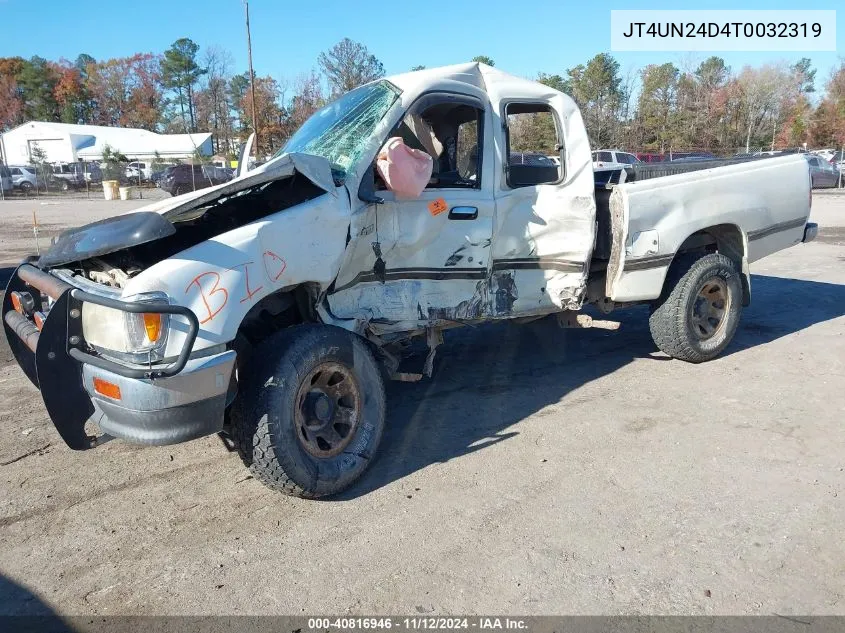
463, 213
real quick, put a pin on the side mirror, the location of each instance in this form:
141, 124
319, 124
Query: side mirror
367, 188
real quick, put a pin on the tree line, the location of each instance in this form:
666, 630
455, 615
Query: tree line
662, 107
184, 89
658, 108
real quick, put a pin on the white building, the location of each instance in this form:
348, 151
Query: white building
67, 142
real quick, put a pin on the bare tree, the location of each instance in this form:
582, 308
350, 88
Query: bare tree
349, 64
215, 94
762, 91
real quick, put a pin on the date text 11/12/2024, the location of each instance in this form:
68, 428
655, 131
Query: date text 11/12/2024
416, 623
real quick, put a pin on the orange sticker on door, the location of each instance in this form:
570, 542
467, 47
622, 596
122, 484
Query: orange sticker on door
436, 207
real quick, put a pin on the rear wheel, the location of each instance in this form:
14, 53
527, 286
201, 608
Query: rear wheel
26, 187
310, 412
64, 185
698, 314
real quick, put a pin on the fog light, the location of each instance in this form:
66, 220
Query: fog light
106, 388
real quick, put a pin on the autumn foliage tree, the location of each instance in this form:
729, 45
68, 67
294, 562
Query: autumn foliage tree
126, 91
657, 108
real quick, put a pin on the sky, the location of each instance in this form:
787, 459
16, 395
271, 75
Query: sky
287, 35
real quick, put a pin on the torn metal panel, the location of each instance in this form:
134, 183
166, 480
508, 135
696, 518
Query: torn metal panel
315, 168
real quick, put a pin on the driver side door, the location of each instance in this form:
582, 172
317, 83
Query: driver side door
435, 248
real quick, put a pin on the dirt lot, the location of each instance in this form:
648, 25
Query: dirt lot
541, 471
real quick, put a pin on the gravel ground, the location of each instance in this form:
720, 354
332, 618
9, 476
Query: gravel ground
541, 471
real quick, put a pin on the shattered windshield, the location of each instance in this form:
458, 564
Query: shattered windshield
341, 130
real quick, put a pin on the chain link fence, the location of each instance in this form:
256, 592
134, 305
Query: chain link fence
116, 176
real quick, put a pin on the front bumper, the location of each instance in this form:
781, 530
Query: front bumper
149, 405
167, 410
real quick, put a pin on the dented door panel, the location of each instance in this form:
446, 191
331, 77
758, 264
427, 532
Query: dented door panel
544, 234
435, 268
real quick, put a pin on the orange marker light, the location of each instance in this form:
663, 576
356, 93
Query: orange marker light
16, 302
152, 324
106, 388
39, 319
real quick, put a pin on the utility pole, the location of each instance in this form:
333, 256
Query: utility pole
251, 78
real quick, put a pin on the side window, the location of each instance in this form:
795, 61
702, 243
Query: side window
533, 144
814, 162
605, 157
595, 159
628, 159
451, 133
15, 171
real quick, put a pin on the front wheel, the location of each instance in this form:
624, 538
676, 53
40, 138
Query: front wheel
310, 412
697, 315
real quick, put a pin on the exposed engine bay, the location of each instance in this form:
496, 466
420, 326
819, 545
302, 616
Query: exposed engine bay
133, 243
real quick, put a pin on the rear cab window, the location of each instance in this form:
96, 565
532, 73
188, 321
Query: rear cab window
533, 143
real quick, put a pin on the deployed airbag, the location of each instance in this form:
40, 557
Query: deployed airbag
406, 171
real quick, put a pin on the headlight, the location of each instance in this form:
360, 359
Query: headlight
135, 337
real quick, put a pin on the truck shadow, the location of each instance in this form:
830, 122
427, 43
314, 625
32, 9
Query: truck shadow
781, 306
19, 607
490, 377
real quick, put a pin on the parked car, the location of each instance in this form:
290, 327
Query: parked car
139, 169
6, 182
651, 158
613, 158
26, 178
181, 179
822, 173
825, 154
273, 309
159, 172
67, 176
838, 160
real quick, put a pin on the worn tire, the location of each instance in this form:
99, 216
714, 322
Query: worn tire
264, 416
672, 323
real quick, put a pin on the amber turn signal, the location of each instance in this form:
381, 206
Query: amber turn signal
39, 319
152, 325
16, 302
106, 388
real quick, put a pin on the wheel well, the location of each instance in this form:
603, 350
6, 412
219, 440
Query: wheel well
726, 239
284, 308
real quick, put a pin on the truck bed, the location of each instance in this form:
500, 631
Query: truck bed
746, 208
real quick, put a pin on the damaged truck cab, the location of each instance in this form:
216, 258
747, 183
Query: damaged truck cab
273, 307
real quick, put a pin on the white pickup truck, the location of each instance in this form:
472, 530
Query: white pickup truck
271, 308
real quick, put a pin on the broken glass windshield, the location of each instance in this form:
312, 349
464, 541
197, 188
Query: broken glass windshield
341, 131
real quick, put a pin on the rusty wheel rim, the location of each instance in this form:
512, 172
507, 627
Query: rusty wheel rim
710, 309
328, 409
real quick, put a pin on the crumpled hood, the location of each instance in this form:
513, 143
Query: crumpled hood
316, 168
152, 222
